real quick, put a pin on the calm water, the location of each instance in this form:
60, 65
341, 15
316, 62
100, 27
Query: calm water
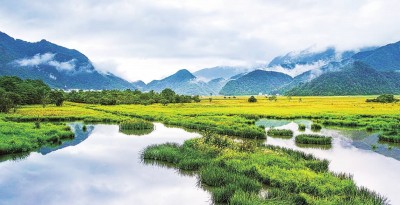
351, 152
100, 166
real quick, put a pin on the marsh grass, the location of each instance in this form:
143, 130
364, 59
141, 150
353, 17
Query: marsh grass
316, 127
283, 133
391, 137
302, 127
26, 137
313, 139
234, 176
136, 124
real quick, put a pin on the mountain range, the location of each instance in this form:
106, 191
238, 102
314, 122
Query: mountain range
57, 66
373, 70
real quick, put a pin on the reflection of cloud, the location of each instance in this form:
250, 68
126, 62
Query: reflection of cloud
103, 169
47, 59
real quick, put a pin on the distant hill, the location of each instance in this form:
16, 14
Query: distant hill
308, 57
255, 82
357, 78
57, 66
216, 85
385, 58
225, 72
182, 82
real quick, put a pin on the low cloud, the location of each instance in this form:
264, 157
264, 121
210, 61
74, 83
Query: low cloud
47, 59
298, 69
36, 60
63, 66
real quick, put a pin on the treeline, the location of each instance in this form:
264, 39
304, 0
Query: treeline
15, 92
115, 97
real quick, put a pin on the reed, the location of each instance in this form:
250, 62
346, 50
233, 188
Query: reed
280, 133
302, 127
316, 127
136, 124
313, 139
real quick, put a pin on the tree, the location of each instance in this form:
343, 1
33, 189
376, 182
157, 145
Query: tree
252, 99
196, 98
164, 102
57, 97
5, 101
168, 94
272, 98
385, 98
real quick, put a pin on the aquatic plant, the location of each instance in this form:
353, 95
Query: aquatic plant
234, 176
313, 139
302, 127
316, 127
136, 124
280, 133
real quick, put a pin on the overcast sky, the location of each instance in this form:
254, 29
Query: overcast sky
146, 39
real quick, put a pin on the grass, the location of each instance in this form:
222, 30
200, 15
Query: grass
291, 177
392, 136
234, 176
316, 127
313, 139
136, 124
302, 127
26, 137
280, 133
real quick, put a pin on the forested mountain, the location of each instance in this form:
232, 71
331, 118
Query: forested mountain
182, 82
57, 66
385, 58
357, 78
292, 59
255, 82
216, 85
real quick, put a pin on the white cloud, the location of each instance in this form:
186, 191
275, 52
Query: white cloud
63, 66
148, 39
37, 59
298, 69
47, 59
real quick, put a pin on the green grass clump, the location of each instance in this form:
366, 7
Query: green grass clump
136, 124
316, 127
26, 137
237, 176
392, 136
313, 139
302, 127
280, 133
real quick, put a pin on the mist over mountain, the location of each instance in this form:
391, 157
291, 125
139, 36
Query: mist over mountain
255, 82
57, 66
225, 72
357, 78
308, 72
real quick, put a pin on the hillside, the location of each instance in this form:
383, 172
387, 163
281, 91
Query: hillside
355, 79
255, 82
57, 66
385, 58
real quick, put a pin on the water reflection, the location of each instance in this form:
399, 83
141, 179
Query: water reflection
80, 136
351, 152
103, 169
